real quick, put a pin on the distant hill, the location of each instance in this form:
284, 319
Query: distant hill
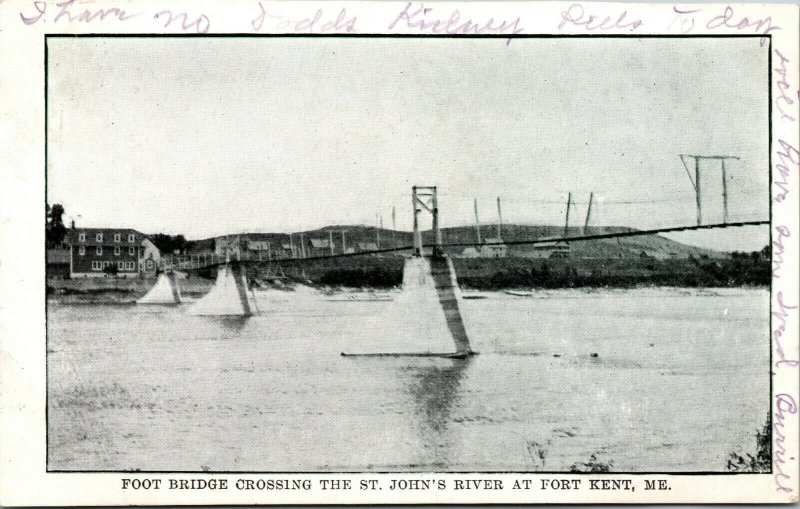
653, 245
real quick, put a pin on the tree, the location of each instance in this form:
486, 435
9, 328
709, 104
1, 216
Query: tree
168, 243
55, 231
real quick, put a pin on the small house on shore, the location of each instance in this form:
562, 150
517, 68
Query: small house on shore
555, 249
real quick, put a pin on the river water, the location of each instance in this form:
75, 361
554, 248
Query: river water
680, 379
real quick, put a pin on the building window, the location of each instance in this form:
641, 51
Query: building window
81, 250
99, 237
131, 237
97, 265
117, 237
116, 250
99, 250
132, 251
81, 237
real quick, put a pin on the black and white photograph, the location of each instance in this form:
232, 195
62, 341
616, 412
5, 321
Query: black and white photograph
408, 254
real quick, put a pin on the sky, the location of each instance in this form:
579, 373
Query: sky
210, 136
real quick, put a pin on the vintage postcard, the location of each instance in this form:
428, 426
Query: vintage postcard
260, 252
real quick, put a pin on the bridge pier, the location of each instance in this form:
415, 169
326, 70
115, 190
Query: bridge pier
427, 311
229, 296
165, 291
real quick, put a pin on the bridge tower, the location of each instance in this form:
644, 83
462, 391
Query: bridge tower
427, 310
426, 198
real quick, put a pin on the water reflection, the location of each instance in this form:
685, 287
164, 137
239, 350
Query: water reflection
229, 326
435, 392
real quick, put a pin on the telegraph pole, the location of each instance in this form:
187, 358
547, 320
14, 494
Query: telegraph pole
302, 246
330, 240
697, 190
569, 204
500, 219
697, 186
343, 240
378, 232
588, 213
724, 194
394, 228
477, 223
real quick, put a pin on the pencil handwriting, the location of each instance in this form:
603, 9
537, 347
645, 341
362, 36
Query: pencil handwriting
784, 100
788, 158
576, 16
318, 23
778, 249
687, 23
782, 314
727, 19
420, 17
68, 14
784, 404
201, 24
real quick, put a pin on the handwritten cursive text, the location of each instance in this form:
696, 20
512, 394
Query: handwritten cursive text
68, 14
419, 17
318, 23
727, 19
784, 100
784, 404
788, 158
782, 314
576, 16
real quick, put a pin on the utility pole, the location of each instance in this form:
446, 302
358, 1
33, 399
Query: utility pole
330, 237
394, 228
378, 232
697, 191
477, 223
500, 219
724, 194
291, 246
569, 204
697, 186
588, 213
302, 246
330, 240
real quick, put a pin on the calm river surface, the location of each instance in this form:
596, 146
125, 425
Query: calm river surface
680, 380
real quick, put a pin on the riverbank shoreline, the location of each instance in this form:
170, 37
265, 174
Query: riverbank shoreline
128, 296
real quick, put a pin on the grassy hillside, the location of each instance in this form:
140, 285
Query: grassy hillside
606, 248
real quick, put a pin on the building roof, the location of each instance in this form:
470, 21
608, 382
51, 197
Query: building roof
319, 243
258, 245
108, 236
